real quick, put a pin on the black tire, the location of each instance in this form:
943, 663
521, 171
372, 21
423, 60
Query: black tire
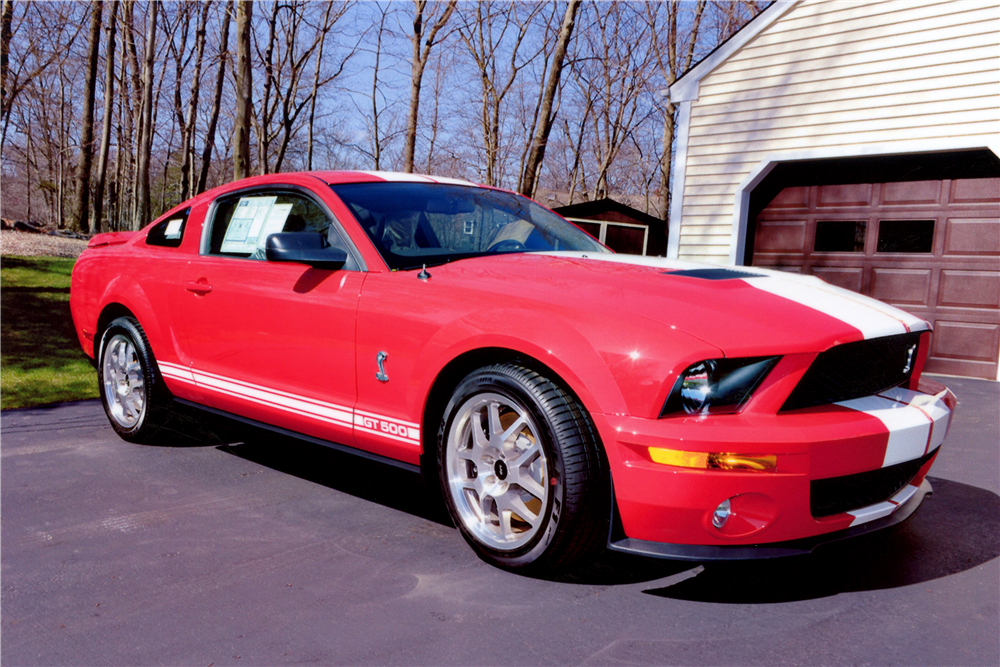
566, 517
133, 420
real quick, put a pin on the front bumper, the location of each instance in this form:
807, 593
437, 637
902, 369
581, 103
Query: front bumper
667, 511
698, 552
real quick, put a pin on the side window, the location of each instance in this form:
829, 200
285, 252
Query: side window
241, 224
170, 232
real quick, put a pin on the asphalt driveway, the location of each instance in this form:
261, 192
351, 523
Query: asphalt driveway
238, 547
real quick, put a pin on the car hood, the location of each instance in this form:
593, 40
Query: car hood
744, 311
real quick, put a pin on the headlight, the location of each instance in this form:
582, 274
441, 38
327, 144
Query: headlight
717, 385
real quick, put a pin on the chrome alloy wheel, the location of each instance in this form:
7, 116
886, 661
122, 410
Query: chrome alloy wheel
124, 382
497, 471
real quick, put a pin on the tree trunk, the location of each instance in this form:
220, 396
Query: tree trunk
109, 98
6, 34
213, 121
244, 91
529, 179
315, 90
81, 205
264, 126
420, 57
6, 20
146, 131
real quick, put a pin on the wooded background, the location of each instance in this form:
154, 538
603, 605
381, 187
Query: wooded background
112, 112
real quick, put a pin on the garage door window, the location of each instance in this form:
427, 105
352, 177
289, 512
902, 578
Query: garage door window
905, 236
840, 235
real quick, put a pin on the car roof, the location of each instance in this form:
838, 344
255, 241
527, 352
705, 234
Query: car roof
339, 177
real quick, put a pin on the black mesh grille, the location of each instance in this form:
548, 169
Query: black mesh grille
856, 369
843, 494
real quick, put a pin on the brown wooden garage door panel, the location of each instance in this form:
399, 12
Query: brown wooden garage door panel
966, 340
782, 236
969, 289
848, 278
972, 236
855, 194
791, 198
911, 192
906, 287
976, 190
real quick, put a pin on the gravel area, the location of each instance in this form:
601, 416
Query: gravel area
28, 244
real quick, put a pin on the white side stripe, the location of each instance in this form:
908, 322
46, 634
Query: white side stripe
386, 427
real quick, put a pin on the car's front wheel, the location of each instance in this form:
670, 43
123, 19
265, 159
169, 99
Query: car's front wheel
522, 472
131, 388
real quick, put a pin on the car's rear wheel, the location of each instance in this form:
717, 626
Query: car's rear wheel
132, 391
522, 472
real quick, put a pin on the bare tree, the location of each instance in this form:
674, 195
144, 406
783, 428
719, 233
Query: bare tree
81, 205
420, 55
146, 126
672, 59
488, 32
109, 98
187, 136
6, 32
220, 79
546, 114
244, 91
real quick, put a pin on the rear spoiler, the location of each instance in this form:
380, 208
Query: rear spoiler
110, 238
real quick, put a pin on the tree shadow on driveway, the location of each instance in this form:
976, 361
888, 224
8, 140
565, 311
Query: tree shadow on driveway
956, 529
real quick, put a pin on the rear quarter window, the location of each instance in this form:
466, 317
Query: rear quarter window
170, 232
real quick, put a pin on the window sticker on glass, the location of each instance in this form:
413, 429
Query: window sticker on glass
173, 230
248, 218
274, 223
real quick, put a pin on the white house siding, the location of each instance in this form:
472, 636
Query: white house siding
832, 74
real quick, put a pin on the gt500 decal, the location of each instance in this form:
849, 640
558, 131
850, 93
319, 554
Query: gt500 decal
386, 427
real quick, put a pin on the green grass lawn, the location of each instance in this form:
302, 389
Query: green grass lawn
40, 356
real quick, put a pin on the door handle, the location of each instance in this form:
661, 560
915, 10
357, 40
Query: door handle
198, 288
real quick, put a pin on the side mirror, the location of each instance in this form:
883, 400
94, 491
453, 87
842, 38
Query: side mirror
309, 248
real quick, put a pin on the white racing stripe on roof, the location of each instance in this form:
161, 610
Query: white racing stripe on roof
398, 176
452, 181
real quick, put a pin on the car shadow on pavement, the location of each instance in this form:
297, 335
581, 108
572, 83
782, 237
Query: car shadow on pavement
956, 529
374, 481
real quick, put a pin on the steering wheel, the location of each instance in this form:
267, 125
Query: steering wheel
507, 245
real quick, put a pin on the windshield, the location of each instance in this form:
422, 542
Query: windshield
412, 224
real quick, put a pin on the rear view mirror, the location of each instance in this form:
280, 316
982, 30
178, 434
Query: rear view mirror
309, 248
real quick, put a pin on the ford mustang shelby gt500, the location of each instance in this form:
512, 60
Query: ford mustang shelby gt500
564, 398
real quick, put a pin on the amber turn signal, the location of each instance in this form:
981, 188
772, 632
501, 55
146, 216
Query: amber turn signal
713, 460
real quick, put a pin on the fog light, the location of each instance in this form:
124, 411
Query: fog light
722, 514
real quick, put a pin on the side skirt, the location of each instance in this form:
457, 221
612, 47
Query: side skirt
301, 436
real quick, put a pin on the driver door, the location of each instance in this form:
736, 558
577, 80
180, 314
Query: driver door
272, 341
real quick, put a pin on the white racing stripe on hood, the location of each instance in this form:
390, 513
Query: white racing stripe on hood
869, 316
872, 318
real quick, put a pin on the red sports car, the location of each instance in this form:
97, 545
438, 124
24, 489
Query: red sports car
566, 399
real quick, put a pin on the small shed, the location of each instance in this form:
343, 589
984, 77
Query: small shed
859, 142
620, 227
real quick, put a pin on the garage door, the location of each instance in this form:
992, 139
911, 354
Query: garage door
929, 247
